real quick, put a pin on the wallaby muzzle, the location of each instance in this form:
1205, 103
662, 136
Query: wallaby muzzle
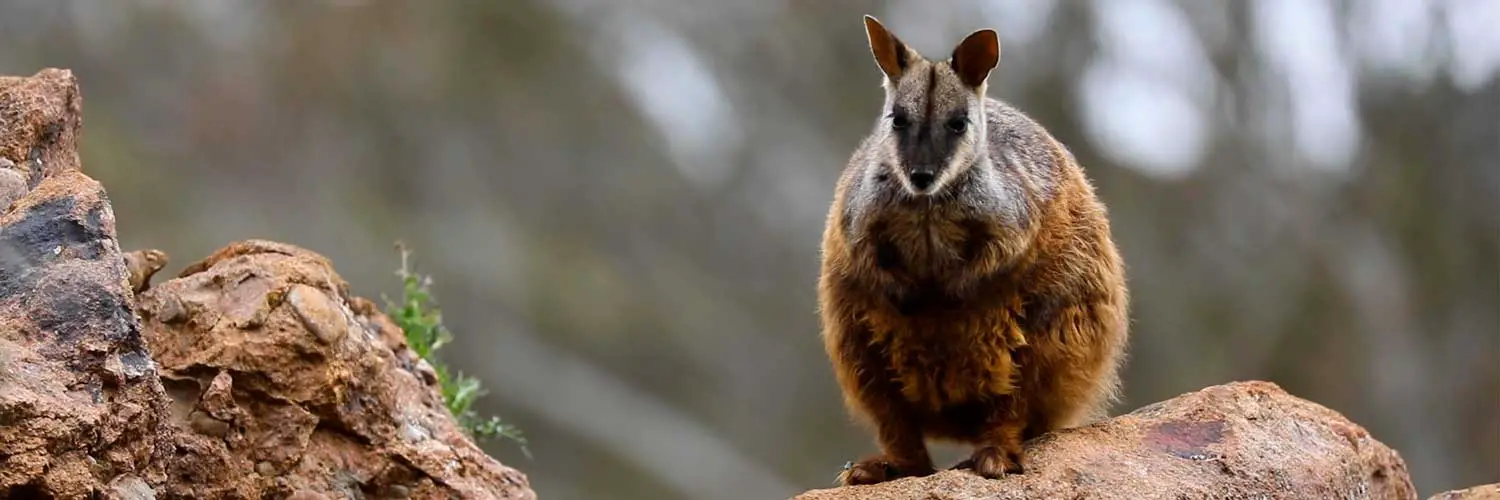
922, 179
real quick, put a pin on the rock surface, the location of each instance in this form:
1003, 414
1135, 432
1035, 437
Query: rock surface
268, 379
1240, 440
1482, 492
288, 384
79, 399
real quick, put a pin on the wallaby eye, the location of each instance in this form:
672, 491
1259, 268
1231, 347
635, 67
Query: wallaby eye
899, 121
957, 125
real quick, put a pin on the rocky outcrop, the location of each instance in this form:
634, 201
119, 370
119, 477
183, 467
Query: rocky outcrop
1241, 440
264, 378
80, 405
277, 371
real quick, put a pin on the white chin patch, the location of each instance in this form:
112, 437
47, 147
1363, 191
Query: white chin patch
905, 181
962, 157
951, 169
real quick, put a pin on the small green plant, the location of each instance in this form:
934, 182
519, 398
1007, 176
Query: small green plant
419, 316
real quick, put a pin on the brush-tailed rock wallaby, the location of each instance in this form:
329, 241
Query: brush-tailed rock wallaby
970, 290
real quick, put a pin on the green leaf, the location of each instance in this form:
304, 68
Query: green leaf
419, 317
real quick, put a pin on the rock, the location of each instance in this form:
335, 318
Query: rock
1482, 492
398, 491
1240, 440
307, 495
267, 381
208, 426
129, 488
12, 184
295, 386
40, 119
318, 313
79, 400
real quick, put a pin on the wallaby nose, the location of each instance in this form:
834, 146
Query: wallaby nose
922, 179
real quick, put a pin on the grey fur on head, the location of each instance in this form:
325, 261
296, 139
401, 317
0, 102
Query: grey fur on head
1002, 163
932, 127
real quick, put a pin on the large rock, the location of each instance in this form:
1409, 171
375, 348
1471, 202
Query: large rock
278, 384
286, 383
80, 404
1241, 440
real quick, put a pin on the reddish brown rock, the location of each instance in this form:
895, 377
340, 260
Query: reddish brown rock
40, 119
290, 386
12, 184
1482, 492
1241, 440
80, 404
278, 384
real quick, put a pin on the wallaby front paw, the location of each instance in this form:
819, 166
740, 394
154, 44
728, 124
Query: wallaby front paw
878, 469
993, 463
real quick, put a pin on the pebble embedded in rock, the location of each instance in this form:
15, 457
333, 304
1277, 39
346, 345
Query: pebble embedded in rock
218, 398
318, 313
130, 488
208, 426
172, 310
429, 375
12, 185
413, 432
136, 364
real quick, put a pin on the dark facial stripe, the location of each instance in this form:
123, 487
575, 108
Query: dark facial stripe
927, 145
931, 86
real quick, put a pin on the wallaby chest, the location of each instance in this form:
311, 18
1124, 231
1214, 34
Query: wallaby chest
930, 261
942, 315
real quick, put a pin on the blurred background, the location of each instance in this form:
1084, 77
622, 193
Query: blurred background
621, 202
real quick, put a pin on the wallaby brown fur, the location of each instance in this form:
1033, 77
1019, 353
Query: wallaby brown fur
970, 289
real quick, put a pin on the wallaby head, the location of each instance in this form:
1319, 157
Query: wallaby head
932, 127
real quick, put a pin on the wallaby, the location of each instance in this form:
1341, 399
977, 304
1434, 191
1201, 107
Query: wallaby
970, 290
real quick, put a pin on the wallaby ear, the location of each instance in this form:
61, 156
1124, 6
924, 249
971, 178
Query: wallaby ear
891, 54
976, 56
